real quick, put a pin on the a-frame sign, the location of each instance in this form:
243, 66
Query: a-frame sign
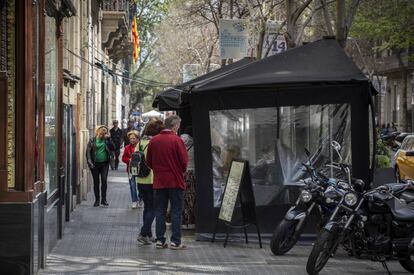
238, 187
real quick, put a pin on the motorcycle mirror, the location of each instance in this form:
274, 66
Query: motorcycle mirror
336, 145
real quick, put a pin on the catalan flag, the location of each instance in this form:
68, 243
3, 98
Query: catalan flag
135, 41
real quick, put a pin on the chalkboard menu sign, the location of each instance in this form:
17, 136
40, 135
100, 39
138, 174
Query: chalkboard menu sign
231, 191
238, 188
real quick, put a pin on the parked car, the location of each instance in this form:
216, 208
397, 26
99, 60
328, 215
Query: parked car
404, 160
399, 139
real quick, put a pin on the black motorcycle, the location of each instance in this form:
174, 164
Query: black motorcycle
316, 191
375, 224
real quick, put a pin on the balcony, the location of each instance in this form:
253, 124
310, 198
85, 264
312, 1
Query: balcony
115, 28
115, 5
391, 64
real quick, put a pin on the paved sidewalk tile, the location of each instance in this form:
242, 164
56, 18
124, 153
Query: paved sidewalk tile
103, 241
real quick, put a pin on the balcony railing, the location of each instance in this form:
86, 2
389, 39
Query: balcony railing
115, 5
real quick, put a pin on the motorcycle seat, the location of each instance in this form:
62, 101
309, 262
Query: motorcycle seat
408, 196
404, 214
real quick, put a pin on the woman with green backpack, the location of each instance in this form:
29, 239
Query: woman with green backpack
145, 180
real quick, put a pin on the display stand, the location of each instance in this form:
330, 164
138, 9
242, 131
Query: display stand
238, 187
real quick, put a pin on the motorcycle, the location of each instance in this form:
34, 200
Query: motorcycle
374, 224
316, 191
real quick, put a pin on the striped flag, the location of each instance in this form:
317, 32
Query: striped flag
135, 41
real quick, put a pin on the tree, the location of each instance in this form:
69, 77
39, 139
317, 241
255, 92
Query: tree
390, 24
149, 14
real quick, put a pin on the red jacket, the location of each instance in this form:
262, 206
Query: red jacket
168, 158
126, 157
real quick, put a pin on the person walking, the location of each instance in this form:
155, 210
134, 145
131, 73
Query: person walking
189, 179
145, 189
99, 152
168, 158
127, 130
116, 136
126, 158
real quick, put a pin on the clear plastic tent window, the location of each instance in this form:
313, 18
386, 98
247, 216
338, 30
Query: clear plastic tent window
273, 141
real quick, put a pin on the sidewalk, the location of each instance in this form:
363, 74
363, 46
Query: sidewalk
103, 241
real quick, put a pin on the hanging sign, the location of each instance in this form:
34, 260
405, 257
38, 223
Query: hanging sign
233, 38
276, 42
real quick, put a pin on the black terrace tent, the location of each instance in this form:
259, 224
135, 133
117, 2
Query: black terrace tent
266, 112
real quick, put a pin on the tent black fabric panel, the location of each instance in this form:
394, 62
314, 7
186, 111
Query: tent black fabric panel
201, 103
168, 100
320, 61
171, 99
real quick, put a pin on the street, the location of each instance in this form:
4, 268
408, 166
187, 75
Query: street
103, 241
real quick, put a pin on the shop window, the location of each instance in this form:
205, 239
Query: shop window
50, 147
8, 65
273, 141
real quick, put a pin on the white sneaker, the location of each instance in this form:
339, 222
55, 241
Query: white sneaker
134, 205
140, 203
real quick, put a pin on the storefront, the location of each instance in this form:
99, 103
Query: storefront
30, 131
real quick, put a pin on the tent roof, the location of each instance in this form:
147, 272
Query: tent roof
171, 98
321, 61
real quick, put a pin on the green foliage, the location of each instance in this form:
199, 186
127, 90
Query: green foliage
149, 14
382, 161
381, 147
390, 22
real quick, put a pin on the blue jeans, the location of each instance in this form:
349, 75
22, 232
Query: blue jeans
133, 188
175, 196
147, 193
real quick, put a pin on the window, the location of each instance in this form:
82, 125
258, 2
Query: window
273, 141
410, 144
50, 105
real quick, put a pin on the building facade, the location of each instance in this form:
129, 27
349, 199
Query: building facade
398, 94
62, 72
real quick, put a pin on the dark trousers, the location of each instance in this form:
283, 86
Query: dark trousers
117, 153
175, 196
100, 170
147, 193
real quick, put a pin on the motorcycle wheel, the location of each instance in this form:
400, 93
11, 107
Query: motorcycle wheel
408, 264
321, 252
285, 237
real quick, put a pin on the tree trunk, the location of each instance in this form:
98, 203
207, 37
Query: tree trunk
261, 40
290, 24
340, 22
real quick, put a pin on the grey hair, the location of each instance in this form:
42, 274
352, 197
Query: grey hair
172, 121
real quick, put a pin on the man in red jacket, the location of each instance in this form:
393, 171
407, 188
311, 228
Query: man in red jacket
168, 158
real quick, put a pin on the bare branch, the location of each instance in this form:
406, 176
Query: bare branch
306, 23
351, 14
299, 10
327, 17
